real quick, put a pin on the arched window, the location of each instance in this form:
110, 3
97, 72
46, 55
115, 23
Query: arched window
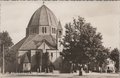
44, 30
53, 30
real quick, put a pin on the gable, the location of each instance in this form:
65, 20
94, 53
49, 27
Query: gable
43, 46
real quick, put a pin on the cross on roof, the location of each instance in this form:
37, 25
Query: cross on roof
43, 2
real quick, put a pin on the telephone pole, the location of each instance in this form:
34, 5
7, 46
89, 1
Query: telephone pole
3, 60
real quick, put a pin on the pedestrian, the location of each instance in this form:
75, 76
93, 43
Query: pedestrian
80, 71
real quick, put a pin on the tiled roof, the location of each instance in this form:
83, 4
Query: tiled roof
18, 45
37, 40
22, 42
43, 17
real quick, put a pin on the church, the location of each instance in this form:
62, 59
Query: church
41, 46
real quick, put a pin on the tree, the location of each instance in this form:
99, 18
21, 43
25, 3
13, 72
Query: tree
81, 43
6, 40
115, 57
102, 55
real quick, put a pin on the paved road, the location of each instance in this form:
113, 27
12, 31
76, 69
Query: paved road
49, 75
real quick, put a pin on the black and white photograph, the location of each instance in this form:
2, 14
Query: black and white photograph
59, 38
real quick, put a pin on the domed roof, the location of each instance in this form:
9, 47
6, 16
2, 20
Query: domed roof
43, 17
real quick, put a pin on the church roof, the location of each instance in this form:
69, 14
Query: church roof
34, 41
18, 45
59, 25
43, 16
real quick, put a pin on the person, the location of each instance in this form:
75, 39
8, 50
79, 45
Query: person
108, 70
80, 71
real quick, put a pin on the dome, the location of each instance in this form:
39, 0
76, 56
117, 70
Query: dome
43, 16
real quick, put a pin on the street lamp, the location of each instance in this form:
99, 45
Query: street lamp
3, 59
2, 49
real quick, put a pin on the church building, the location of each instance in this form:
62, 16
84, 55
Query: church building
41, 47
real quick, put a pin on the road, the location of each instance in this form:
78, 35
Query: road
50, 75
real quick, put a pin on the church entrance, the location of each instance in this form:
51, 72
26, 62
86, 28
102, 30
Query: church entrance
40, 62
36, 61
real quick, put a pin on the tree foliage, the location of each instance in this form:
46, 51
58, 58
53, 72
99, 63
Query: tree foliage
115, 57
102, 55
6, 40
82, 43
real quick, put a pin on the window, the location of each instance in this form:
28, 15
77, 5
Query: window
60, 32
53, 30
44, 30
51, 54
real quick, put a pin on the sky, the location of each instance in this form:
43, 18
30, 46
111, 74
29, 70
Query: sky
104, 15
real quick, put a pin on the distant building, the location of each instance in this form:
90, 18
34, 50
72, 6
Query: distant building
43, 35
110, 66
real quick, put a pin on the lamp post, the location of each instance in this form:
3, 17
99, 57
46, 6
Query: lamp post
41, 62
3, 60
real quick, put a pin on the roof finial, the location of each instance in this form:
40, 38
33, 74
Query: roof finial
43, 2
